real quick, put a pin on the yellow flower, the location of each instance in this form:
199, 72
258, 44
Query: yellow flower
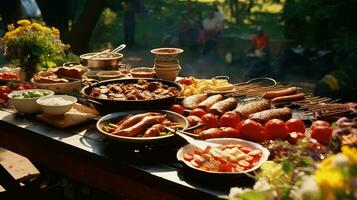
10, 27
350, 153
55, 31
24, 22
329, 178
36, 26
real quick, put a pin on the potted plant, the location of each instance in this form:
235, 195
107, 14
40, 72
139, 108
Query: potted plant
30, 43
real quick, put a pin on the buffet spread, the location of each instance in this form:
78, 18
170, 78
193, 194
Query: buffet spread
288, 141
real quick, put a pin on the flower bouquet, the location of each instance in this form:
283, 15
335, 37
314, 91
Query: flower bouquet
29, 44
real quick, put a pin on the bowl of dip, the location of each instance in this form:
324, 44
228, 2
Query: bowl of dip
143, 72
56, 104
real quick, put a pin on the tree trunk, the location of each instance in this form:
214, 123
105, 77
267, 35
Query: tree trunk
82, 29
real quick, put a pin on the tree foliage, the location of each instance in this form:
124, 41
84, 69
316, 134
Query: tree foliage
322, 23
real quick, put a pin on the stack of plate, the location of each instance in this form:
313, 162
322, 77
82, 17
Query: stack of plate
167, 65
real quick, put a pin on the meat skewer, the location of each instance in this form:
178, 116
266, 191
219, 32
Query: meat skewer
276, 113
207, 103
252, 107
223, 106
192, 102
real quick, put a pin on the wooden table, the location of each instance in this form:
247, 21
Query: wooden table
134, 171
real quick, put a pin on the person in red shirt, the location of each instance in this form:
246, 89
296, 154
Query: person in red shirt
260, 41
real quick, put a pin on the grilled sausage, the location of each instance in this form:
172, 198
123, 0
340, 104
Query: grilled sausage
276, 113
194, 120
207, 103
210, 133
279, 93
154, 130
192, 102
288, 98
226, 132
252, 107
223, 106
141, 126
134, 119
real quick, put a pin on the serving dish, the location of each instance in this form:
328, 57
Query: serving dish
49, 105
143, 72
106, 106
114, 117
107, 60
225, 141
60, 88
166, 54
27, 105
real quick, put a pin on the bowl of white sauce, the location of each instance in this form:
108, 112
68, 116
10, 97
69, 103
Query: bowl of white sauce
56, 104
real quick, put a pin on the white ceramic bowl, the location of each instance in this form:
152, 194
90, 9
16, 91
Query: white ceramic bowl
224, 141
167, 74
60, 88
52, 106
27, 105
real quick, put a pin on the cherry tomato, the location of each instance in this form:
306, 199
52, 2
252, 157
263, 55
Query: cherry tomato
275, 128
252, 130
322, 134
177, 108
210, 120
319, 123
20, 88
199, 112
229, 119
226, 168
4, 89
295, 125
294, 137
28, 86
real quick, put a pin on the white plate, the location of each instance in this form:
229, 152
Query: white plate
190, 148
115, 117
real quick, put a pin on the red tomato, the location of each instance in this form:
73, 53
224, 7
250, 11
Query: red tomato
275, 128
226, 168
28, 86
177, 108
229, 119
199, 112
322, 134
20, 88
295, 136
295, 125
252, 130
5, 89
210, 120
319, 123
